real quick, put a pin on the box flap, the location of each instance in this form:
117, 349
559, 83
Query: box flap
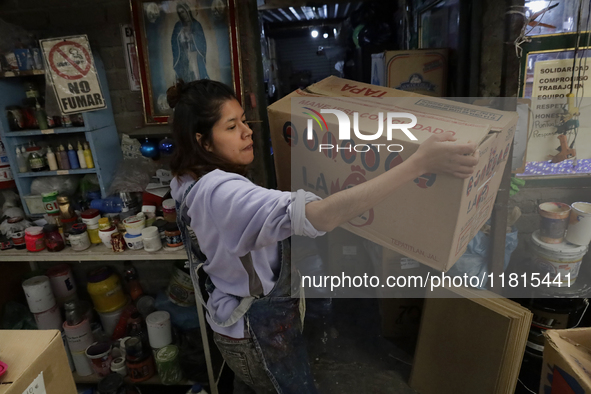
573, 345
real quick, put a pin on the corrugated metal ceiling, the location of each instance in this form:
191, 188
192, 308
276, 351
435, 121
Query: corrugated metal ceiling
308, 13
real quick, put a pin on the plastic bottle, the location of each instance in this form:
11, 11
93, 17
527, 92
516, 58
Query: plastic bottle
81, 159
64, 158
51, 161
73, 157
107, 205
88, 156
131, 278
21, 160
41, 117
197, 389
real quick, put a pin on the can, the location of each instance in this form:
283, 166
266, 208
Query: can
180, 287
159, 329
168, 365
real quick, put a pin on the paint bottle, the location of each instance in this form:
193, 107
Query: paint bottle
51, 160
81, 159
73, 157
21, 160
64, 158
41, 117
88, 156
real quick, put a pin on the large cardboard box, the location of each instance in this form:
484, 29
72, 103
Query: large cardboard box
30, 353
567, 361
421, 71
431, 219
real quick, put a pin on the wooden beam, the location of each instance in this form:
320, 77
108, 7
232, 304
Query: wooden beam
272, 4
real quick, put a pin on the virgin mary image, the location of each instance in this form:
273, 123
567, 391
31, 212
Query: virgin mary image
189, 47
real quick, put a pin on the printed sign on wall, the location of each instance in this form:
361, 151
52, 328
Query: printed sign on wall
70, 67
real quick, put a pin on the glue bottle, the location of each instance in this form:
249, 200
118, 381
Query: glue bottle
88, 156
81, 159
73, 157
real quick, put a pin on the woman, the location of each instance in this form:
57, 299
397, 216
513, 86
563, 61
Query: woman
243, 231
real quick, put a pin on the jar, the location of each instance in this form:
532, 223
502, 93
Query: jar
135, 224
91, 216
133, 242
50, 203
79, 237
18, 240
116, 221
93, 233
104, 224
36, 162
117, 242
169, 210
161, 224
173, 235
105, 235
104, 287
140, 363
67, 228
151, 238
168, 365
53, 239
34, 239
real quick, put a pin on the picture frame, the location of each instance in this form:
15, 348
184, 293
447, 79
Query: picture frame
184, 39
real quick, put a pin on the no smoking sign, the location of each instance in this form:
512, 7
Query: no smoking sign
73, 74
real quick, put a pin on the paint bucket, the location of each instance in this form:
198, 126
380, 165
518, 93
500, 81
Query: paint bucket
62, 283
82, 363
180, 288
109, 320
50, 319
556, 259
99, 354
39, 295
79, 336
579, 228
68, 353
159, 329
554, 217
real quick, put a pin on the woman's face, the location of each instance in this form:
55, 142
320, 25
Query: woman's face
231, 136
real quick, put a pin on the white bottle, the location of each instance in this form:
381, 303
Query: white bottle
21, 160
81, 158
51, 159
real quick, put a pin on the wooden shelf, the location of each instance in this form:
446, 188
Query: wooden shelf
94, 253
9, 74
94, 379
57, 130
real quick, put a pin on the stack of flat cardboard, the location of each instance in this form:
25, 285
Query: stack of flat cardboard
473, 343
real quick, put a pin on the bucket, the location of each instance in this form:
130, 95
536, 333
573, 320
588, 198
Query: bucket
579, 228
109, 320
180, 288
50, 319
79, 336
82, 363
558, 260
159, 329
554, 217
62, 283
39, 295
99, 354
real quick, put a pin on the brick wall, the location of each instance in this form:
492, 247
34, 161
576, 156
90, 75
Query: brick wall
100, 20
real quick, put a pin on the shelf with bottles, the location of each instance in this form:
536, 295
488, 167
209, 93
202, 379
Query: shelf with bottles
94, 253
54, 157
19, 73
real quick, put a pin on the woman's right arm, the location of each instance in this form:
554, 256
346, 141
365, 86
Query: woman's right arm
436, 155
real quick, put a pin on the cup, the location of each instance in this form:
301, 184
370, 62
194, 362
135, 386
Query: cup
99, 354
579, 228
554, 217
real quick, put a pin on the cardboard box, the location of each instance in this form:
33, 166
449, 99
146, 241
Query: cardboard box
567, 361
421, 71
431, 219
28, 353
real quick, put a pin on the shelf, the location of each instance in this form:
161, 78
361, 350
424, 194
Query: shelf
59, 172
58, 130
94, 379
9, 74
94, 253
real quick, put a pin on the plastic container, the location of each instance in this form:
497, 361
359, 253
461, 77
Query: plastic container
133, 242
105, 235
118, 366
169, 210
79, 239
62, 282
104, 224
53, 239
579, 228
82, 363
50, 202
135, 224
173, 235
39, 295
99, 354
554, 217
108, 205
109, 320
159, 329
50, 319
104, 287
151, 238
117, 242
35, 239
139, 362
168, 365
93, 234
90, 217
557, 259
180, 287
79, 336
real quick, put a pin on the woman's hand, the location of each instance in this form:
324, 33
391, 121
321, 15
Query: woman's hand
437, 155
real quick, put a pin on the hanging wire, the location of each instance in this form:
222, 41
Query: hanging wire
572, 79
523, 37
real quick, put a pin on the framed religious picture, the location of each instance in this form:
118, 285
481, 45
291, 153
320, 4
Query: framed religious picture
184, 39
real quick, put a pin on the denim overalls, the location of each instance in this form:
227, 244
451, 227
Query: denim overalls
273, 321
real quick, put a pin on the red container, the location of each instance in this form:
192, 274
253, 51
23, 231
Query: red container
53, 239
35, 239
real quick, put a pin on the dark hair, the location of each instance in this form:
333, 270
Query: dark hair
197, 107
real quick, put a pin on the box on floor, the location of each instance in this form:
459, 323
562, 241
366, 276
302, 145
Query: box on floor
33, 356
431, 219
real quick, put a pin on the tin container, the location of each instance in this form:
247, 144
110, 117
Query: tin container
180, 287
